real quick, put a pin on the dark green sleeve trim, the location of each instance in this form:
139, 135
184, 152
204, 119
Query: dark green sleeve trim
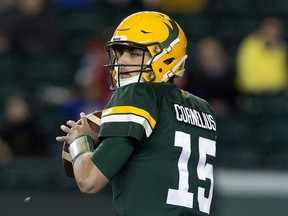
112, 154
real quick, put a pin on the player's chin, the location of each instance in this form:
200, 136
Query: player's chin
124, 76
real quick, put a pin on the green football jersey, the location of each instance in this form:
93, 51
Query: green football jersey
170, 172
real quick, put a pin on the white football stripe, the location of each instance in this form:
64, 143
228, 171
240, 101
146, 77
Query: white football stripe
129, 118
94, 118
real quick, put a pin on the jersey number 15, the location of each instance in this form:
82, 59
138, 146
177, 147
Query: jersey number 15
181, 196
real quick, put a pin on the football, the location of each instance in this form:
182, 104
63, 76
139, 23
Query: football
94, 120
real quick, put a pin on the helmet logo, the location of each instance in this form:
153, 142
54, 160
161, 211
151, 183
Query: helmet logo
173, 33
145, 32
119, 38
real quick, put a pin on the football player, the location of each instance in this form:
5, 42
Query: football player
158, 142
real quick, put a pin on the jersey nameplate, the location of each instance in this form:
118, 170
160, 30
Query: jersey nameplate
194, 117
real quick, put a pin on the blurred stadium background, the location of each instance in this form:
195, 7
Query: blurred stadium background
245, 185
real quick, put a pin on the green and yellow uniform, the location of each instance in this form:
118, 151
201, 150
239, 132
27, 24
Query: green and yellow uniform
167, 168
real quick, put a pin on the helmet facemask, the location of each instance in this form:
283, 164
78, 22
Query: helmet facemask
115, 50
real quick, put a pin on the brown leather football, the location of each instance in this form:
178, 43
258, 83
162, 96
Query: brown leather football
94, 120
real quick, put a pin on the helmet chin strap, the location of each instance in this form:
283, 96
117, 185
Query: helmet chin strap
129, 80
126, 81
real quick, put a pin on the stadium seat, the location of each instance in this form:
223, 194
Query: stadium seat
281, 6
235, 6
265, 105
194, 26
271, 139
80, 26
8, 67
51, 69
234, 144
26, 173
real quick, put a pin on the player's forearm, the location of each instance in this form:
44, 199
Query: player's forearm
88, 177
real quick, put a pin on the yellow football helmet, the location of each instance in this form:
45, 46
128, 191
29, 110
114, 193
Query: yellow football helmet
156, 33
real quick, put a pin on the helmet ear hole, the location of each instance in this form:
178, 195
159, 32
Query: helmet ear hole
169, 61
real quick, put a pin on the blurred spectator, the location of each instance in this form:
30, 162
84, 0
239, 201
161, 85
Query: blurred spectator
72, 4
262, 81
213, 76
180, 6
119, 3
6, 153
9, 19
39, 31
93, 92
19, 135
262, 60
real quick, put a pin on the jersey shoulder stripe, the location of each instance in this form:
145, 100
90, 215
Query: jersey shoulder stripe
129, 114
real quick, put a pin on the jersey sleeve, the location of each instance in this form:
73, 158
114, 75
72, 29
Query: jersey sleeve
131, 112
112, 154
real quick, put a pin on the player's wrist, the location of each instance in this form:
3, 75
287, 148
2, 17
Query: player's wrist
81, 144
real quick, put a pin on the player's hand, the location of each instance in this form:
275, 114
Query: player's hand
75, 129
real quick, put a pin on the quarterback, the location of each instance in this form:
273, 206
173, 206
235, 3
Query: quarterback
157, 142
